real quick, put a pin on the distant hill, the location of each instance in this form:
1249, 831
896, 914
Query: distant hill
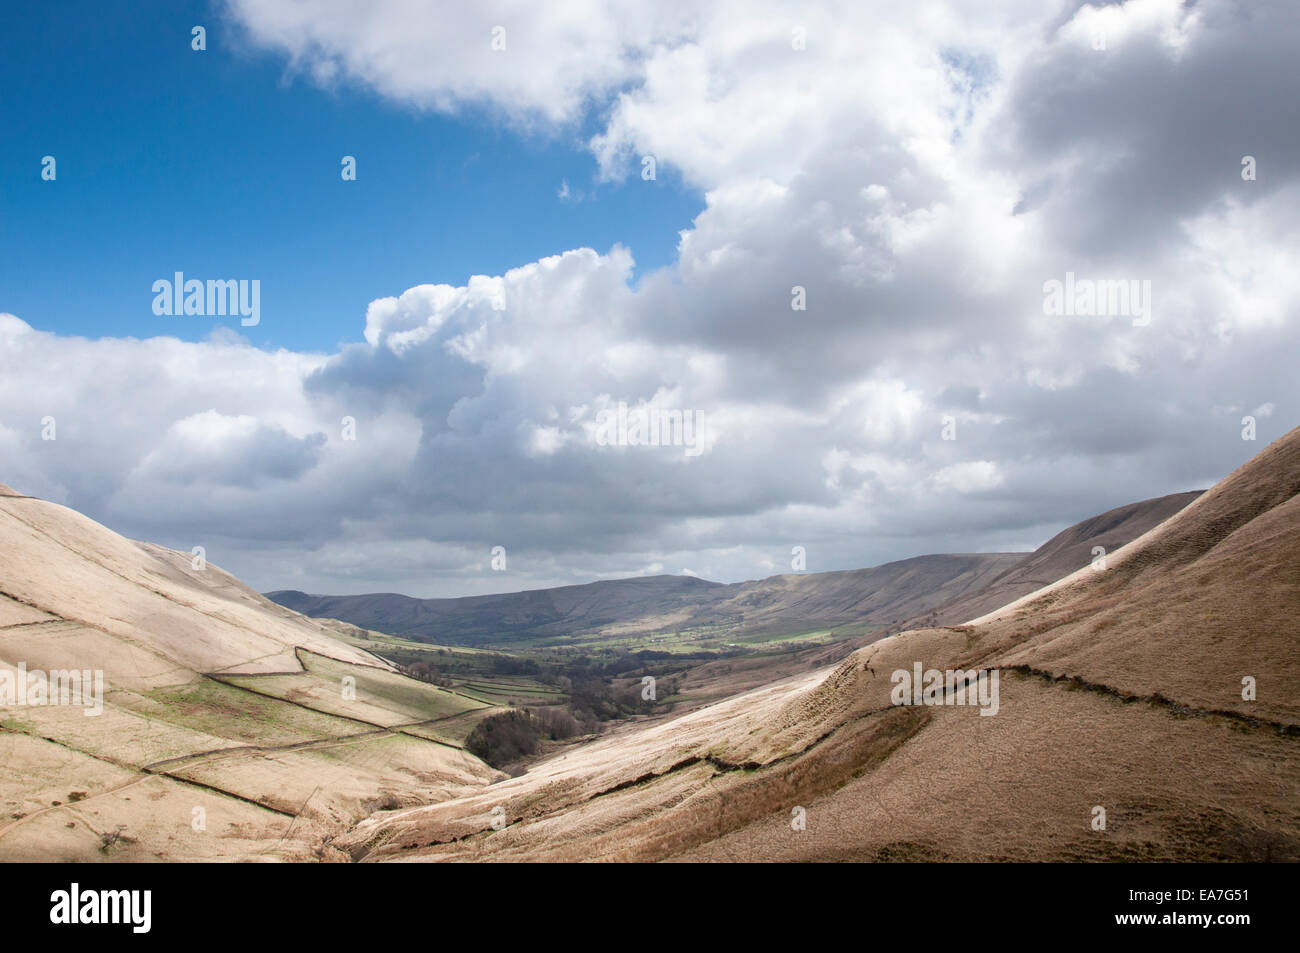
515, 616
862, 597
945, 588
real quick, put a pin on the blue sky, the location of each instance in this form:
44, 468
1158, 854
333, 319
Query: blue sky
226, 164
923, 177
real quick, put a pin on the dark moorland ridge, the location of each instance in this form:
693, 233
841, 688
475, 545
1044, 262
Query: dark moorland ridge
937, 589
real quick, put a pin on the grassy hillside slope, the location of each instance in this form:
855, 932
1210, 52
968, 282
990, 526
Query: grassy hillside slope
228, 727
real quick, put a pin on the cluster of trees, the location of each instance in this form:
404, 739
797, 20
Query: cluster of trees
511, 736
594, 699
511, 665
426, 672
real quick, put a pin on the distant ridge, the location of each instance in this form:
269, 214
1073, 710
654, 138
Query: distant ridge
941, 588
861, 597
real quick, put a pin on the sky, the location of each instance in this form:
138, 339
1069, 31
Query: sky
833, 239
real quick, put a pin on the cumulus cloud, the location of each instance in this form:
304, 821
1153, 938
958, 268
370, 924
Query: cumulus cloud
533, 64
919, 172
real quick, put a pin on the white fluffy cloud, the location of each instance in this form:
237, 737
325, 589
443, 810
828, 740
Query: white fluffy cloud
920, 172
534, 64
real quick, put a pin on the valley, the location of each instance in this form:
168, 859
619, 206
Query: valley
520, 726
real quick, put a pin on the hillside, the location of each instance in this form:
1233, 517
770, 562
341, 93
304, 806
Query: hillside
225, 727
1063, 554
1120, 690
